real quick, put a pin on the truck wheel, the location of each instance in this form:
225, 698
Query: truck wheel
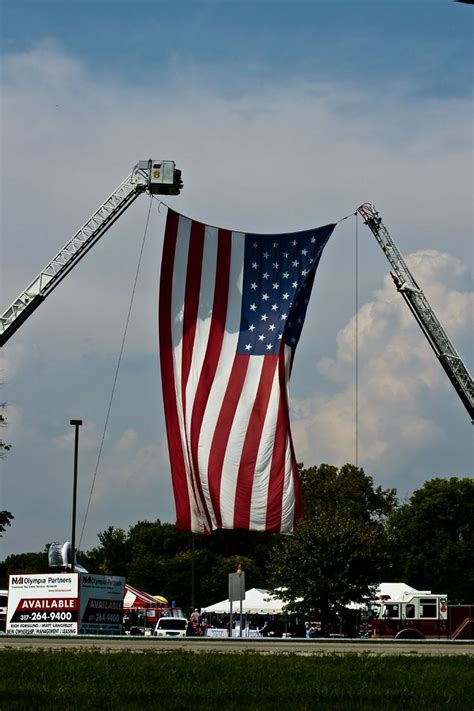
409, 634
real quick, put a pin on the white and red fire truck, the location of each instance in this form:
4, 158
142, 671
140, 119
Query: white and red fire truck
401, 612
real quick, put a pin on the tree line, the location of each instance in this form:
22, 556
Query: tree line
353, 536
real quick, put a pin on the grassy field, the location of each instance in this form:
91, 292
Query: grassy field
180, 681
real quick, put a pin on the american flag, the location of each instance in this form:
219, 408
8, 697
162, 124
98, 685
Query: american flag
231, 311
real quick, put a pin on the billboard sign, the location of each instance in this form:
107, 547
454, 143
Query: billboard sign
43, 604
101, 610
237, 586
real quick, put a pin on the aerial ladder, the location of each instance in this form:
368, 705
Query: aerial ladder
158, 177
421, 310
161, 177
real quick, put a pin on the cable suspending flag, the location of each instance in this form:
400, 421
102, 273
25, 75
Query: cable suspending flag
231, 311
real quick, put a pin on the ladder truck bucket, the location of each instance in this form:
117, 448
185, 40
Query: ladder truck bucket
162, 176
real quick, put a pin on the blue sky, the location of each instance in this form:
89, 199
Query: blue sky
378, 41
282, 116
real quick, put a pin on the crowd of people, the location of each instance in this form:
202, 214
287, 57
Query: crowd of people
265, 626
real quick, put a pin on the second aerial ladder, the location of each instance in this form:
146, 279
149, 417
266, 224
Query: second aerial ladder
421, 309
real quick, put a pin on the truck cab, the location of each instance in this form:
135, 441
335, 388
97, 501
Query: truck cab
411, 617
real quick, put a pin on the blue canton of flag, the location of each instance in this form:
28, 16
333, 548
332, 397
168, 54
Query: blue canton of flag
279, 272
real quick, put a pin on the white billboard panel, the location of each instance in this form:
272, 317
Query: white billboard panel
101, 610
46, 604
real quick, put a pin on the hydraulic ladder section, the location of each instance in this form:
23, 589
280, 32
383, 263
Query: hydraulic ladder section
422, 311
156, 177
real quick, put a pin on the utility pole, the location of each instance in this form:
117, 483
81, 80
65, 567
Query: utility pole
77, 424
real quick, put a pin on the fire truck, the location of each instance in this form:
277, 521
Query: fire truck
417, 614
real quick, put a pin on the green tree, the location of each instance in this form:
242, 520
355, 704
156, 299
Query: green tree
22, 563
215, 580
5, 516
158, 558
162, 561
338, 552
113, 555
326, 488
4, 447
432, 539
27, 562
5, 520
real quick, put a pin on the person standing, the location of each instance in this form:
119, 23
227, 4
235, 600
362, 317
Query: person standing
195, 622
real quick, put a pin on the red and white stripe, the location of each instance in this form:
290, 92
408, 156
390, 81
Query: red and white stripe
227, 420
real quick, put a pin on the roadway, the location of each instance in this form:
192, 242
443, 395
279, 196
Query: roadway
263, 646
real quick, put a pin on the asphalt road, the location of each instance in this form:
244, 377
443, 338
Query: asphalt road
263, 646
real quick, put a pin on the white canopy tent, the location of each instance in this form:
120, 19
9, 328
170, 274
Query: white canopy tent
257, 602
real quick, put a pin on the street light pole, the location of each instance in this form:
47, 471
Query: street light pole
77, 424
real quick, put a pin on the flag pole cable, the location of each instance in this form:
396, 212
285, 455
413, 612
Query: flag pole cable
356, 340
119, 360
356, 335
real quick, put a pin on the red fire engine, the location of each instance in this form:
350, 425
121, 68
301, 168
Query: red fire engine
418, 614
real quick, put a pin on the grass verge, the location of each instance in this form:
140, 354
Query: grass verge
182, 681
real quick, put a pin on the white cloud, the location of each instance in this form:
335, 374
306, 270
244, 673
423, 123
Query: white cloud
129, 487
398, 375
128, 440
147, 467
11, 362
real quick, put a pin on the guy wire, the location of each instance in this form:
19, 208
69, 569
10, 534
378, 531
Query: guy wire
116, 371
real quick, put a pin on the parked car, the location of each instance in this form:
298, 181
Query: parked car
170, 627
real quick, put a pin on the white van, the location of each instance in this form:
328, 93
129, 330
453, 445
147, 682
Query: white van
3, 610
171, 627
